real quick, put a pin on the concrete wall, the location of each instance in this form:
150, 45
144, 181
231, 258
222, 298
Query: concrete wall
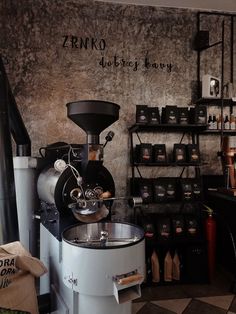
135, 55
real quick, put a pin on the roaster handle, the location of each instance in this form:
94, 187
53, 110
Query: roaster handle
130, 279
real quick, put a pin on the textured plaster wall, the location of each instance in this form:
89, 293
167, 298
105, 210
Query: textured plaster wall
45, 76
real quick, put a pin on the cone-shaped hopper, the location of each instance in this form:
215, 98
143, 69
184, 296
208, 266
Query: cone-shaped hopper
93, 116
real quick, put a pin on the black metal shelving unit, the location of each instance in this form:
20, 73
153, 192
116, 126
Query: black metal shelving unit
184, 245
193, 130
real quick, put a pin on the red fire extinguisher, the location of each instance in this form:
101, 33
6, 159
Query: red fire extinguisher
210, 228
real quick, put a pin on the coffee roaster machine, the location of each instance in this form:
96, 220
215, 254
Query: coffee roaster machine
95, 265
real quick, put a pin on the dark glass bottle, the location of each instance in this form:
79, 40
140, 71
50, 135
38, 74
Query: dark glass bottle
226, 123
210, 122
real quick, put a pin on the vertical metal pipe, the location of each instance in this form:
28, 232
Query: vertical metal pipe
198, 61
8, 211
17, 127
222, 80
232, 50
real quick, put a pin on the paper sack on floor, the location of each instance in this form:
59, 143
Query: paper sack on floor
18, 270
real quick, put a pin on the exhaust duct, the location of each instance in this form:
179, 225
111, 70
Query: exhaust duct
9, 231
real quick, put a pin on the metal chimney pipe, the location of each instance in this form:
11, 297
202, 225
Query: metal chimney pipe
9, 230
17, 127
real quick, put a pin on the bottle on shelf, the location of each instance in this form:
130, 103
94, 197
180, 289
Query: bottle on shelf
214, 123
210, 123
232, 122
226, 123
